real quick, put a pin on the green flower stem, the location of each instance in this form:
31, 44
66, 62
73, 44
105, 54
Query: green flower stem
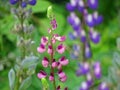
52, 57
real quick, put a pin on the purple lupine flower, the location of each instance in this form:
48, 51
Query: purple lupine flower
103, 86
70, 19
41, 74
76, 51
79, 72
90, 20
32, 2
93, 4
97, 18
72, 5
84, 68
94, 36
81, 6
76, 47
76, 25
73, 35
87, 50
84, 86
83, 36
74, 55
97, 70
24, 4
13, 2
89, 79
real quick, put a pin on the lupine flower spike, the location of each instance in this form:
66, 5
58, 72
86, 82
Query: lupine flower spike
47, 45
89, 20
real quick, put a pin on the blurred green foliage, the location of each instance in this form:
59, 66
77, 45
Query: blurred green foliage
110, 30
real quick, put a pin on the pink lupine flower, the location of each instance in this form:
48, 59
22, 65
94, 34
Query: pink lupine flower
51, 77
50, 50
41, 48
54, 64
61, 74
45, 62
63, 61
53, 40
59, 66
60, 38
61, 48
53, 24
41, 74
63, 79
44, 40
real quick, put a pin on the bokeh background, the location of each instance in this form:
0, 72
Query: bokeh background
109, 30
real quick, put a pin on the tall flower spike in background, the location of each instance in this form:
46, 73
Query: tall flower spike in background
24, 68
47, 44
84, 30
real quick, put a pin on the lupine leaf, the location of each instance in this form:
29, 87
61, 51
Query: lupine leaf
25, 84
29, 61
11, 76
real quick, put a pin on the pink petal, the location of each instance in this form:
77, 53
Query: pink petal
41, 48
44, 40
65, 62
49, 49
54, 64
45, 62
41, 74
60, 49
51, 77
61, 74
63, 79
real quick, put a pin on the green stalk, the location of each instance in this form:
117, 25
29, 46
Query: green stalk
52, 57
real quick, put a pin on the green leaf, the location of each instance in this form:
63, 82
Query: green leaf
25, 84
11, 76
41, 6
29, 62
